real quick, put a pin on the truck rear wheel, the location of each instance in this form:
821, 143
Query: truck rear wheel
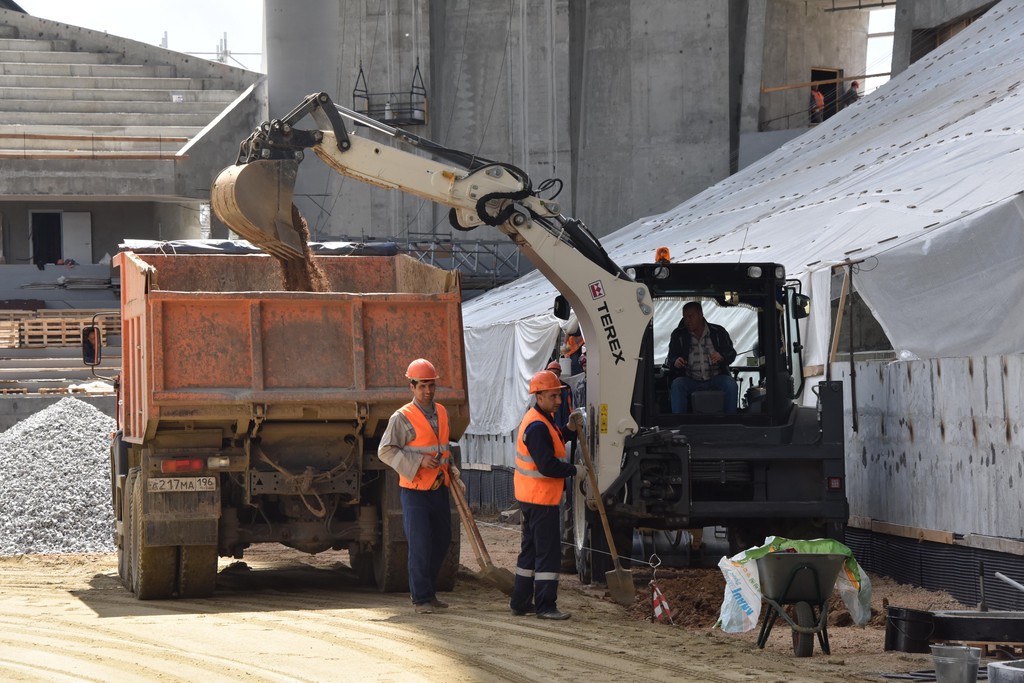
446, 577
197, 571
391, 555
153, 568
124, 549
362, 565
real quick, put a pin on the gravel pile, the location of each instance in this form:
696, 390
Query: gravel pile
55, 482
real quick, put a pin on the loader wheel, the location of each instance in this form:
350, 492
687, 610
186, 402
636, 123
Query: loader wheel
566, 516
197, 571
596, 559
391, 555
803, 643
153, 568
584, 558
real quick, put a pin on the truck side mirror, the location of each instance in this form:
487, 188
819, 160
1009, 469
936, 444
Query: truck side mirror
562, 308
92, 345
801, 306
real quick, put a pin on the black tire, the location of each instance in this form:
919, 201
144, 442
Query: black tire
124, 549
566, 515
362, 565
197, 571
154, 569
601, 559
594, 559
450, 568
803, 643
391, 554
584, 558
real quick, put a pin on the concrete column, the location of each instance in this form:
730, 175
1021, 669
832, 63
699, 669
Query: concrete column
753, 64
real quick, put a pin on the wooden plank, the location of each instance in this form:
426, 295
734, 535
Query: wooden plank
934, 535
10, 334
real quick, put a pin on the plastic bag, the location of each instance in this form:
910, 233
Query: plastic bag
741, 605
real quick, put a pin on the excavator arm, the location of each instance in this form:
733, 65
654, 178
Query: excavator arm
254, 198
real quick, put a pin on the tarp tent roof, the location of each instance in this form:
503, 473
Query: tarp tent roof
919, 182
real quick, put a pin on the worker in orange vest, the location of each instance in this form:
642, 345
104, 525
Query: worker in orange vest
817, 107
541, 469
415, 444
573, 349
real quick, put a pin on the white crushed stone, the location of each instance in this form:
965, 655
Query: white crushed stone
55, 482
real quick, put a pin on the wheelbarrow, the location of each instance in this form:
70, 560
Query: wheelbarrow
804, 580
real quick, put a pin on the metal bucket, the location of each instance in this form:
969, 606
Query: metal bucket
955, 663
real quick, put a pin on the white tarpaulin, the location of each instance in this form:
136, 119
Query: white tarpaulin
919, 184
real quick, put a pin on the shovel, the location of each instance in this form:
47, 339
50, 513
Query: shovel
502, 579
620, 581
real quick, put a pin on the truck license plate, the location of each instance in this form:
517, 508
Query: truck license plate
174, 484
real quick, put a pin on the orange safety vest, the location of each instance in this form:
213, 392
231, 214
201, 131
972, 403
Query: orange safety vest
819, 101
530, 485
427, 443
573, 343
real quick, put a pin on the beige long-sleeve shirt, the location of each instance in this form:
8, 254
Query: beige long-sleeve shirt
398, 433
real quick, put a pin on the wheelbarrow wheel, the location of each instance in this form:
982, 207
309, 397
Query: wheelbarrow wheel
803, 643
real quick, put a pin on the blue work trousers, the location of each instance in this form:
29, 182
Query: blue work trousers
427, 521
539, 560
682, 387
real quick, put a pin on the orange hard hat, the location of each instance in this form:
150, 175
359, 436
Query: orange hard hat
421, 369
554, 366
544, 381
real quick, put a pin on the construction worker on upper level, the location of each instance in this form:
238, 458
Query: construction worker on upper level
539, 479
415, 444
817, 105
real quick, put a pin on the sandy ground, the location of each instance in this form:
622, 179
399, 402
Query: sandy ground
286, 616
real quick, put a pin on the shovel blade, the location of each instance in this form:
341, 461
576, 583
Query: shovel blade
255, 201
620, 585
502, 578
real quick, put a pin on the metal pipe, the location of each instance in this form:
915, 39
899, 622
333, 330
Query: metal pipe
1010, 581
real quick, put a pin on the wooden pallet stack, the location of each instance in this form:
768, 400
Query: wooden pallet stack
48, 328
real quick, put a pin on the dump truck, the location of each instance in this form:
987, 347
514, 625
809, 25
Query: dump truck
770, 465
250, 413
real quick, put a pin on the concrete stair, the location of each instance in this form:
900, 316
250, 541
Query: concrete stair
51, 370
60, 100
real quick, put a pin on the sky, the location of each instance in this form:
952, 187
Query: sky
193, 26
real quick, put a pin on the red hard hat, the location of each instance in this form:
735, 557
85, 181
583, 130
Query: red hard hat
421, 369
554, 366
543, 381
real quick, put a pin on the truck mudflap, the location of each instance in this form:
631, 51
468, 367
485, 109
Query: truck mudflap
184, 518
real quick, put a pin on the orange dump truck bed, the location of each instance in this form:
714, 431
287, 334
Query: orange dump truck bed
217, 339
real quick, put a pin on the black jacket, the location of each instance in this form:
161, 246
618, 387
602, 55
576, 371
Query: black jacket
679, 346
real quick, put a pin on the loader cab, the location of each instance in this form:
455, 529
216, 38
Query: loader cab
758, 307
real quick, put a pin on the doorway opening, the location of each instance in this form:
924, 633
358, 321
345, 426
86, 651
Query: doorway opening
830, 91
47, 245
60, 237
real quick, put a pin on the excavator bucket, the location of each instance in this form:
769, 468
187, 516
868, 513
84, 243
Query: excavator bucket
255, 201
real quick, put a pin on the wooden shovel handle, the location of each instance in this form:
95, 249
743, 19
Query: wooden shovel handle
467, 521
585, 449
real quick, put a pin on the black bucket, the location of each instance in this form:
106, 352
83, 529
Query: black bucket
908, 630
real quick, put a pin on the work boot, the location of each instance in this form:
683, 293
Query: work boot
554, 615
424, 608
438, 604
520, 612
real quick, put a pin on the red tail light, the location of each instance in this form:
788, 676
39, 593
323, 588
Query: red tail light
182, 465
